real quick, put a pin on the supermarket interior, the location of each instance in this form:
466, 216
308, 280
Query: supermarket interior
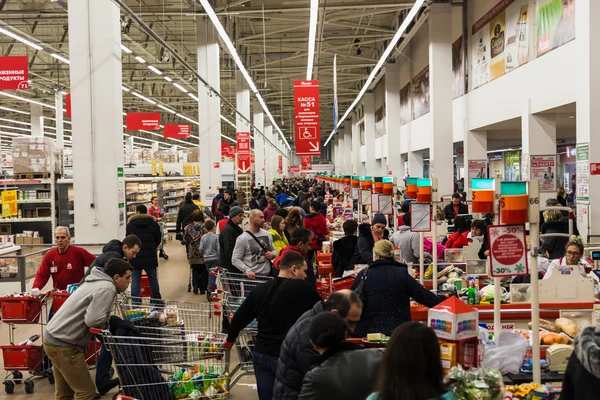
440, 147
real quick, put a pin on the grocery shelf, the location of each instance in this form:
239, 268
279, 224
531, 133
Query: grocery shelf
36, 201
42, 219
130, 203
41, 181
173, 197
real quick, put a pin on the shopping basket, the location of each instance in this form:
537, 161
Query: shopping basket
21, 309
21, 358
168, 362
145, 290
58, 299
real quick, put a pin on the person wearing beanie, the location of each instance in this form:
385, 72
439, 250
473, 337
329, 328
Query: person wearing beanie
228, 237
368, 235
387, 288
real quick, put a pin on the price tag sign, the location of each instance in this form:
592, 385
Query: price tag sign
365, 197
508, 250
420, 217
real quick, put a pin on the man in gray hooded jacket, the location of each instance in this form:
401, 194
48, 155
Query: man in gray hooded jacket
68, 332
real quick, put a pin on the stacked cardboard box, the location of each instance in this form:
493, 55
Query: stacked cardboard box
34, 155
193, 155
28, 241
146, 156
166, 156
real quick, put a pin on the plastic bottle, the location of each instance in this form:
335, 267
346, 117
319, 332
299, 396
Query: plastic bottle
471, 296
476, 282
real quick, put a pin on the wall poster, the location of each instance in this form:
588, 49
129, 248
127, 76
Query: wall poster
458, 68
543, 169
512, 166
555, 24
420, 95
405, 103
497, 42
477, 169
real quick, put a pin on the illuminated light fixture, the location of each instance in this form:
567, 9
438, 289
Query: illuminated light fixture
13, 110
14, 121
61, 58
155, 70
178, 86
188, 119
388, 50
166, 109
125, 49
20, 39
312, 35
143, 98
26, 99
64, 93
231, 48
124, 89
228, 121
193, 96
156, 134
168, 79
140, 59
16, 127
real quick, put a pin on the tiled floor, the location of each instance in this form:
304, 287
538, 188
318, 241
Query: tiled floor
173, 278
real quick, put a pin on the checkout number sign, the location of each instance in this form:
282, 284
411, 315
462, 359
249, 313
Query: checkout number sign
508, 250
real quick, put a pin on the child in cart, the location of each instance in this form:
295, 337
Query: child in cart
192, 235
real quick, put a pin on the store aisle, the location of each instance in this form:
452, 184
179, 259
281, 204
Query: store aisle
173, 276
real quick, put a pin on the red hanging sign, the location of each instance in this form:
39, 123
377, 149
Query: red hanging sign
293, 169
305, 163
176, 131
280, 165
243, 162
243, 152
137, 121
306, 118
14, 72
68, 104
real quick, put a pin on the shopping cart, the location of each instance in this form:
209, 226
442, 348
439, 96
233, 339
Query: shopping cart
169, 363
236, 288
165, 237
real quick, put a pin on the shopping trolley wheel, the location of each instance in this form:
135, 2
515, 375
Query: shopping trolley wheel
51, 378
9, 387
29, 387
18, 377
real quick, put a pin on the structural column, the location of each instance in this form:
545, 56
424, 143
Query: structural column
259, 144
155, 149
440, 94
270, 156
95, 72
392, 119
347, 150
129, 141
37, 120
587, 32
58, 114
475, 150
209, 110
369, 110
415, 164
356, 163
538, 139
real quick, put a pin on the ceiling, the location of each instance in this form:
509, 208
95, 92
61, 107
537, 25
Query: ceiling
271, 37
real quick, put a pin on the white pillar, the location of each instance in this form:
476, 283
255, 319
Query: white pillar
335, 156
392, 119
154, 147
259, 144
356, 167
270, 156
415, 164
347, 155
130, 144
174, 148
209, 110
441, 165
369, 110
60, 128
587, 80
475, 149
538, 138
37, 120
97, 105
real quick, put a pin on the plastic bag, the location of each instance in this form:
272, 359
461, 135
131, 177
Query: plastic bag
507, 356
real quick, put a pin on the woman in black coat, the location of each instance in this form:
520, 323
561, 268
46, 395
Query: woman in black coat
184, 215
363, 254
386, 293
554, 246
346, 371
343, 248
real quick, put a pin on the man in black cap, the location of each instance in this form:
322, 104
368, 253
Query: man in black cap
229, 236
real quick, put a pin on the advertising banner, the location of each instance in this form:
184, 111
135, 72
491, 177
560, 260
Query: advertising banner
227, 152
555, 20
307, 118
405, 110
458, 68
379, 121
583, 172
512, 166
243, 163
147, 121
477, 169
14, 72
9, 203
508, 250
176, 131
293, 169
420, 93
279, 164
68, 104
306, 161
243, 152
543, 169
516, 49
497, 41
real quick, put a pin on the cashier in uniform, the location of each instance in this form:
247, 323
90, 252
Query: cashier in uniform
573, 254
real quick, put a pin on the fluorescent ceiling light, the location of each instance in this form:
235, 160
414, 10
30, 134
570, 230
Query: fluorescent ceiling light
188, 119
155, 70
231, 48
124, 89
143, 98
156, 134
228, 121
16, 127
125, 49
166, 109
13, 110
26, 99
140, 59
64, 93
168, 79
401, 30
193, 96
61, 58
14, 121
20, 39
178, 86
312, 35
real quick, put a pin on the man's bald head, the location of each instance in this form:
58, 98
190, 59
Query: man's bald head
347, 304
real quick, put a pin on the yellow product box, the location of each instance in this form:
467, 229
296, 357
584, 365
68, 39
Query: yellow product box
448, 354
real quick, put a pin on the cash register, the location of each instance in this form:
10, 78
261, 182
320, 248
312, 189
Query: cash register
558, 356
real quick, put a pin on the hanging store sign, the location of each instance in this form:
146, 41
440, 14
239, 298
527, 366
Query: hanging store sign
243, 152
306, 118
508, 250
176, 131
68, 104
305, 163
227, 152
243, 162
279, 164
293, 169
14, 72
9, 203
147, 121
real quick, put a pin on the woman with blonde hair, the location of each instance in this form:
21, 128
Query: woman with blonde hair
554, 223
386, 288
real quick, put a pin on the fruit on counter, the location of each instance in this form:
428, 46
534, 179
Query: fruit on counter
547, 325
551, 338
567, 326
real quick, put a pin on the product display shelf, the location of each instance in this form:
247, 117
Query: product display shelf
138, 191
171, 191
36, 207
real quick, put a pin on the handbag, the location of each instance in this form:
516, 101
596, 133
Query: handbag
360, 289
274, 272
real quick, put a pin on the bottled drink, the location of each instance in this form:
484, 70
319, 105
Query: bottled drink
471, 296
